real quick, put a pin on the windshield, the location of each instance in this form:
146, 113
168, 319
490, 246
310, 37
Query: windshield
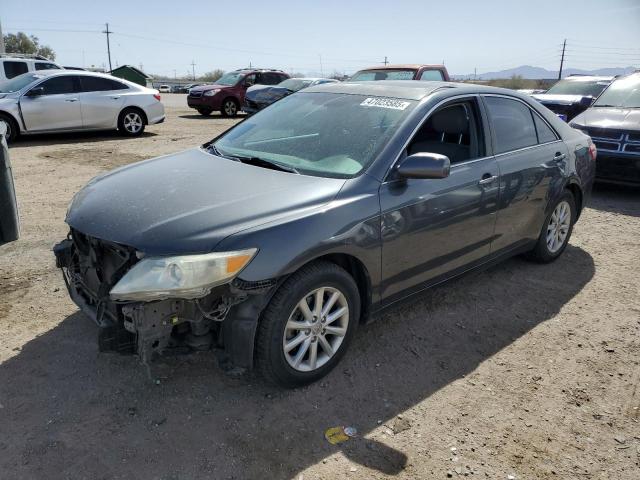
591, 88
229, 78
321, 134
19, 82
622, 93
383, 74
295, 84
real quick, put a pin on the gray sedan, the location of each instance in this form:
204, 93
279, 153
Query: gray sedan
63, 101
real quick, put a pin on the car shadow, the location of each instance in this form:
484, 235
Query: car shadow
214, 115
70, 412
622, 199
49, 139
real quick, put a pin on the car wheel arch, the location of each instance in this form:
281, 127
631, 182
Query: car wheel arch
578, 196
137, 109
13, 119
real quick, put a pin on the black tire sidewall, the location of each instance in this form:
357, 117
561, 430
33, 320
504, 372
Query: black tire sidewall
12, 125
273, 363
205, 111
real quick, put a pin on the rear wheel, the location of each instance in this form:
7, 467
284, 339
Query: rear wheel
556, 230
205, 111
131, 122
306, 328
11, 127
229, 108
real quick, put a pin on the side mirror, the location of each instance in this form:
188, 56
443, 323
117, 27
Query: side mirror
424, 165
35, 92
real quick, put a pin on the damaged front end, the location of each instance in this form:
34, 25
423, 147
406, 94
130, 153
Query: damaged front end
225, 316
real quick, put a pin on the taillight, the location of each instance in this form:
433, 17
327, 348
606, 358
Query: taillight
593, 151
156, 96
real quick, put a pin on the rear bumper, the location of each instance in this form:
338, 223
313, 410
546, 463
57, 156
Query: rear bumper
616, 168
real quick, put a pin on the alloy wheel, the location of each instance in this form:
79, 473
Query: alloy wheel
558, 227
133, 122
230, 108
7, 128
315, 329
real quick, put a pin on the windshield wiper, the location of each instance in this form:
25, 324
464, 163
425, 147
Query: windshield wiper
261, 162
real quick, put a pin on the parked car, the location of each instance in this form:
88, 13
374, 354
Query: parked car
164, 89
61, 100
260, 96
9, 224
227, 94
402, 72
178, 89
190, 86
13, 64
613, 122
573, 95
278, 238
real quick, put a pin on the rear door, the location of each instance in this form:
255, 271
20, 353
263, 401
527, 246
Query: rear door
531, 159
101, 100
9, 226
58, 108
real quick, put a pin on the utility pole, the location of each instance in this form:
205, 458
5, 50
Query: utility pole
193, 69
475, 73
564, 45
321, 70
385, 61
108, 32
175, 76
1, 41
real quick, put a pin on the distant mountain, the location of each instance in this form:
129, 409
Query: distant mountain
538, 73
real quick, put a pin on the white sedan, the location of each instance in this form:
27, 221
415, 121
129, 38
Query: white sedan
65, 101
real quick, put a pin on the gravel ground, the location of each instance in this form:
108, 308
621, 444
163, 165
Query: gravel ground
523, 370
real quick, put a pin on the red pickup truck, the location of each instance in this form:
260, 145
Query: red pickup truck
402, 72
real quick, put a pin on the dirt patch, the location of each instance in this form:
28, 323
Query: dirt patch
524, 370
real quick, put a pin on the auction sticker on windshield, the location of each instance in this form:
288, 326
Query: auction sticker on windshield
385, 103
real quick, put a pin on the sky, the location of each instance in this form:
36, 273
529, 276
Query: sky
165, 37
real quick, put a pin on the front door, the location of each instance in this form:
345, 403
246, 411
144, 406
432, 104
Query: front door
57, 107
431, 228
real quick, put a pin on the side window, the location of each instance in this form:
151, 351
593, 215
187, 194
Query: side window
431, 75
454, 130
58, 85
46, 66
512, 124
250, 80
99, 84
545, 134
270, 78
13, 69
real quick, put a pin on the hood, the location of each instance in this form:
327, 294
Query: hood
609, 117
257, 88
546, 98
269, 93
204, 88
190, 201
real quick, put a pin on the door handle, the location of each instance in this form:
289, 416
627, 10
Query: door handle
71, 100
487, 178
115, 98
559, 156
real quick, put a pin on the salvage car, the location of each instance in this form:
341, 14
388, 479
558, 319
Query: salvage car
227, 93
613, 122
573, 95
276, 239
9, 224
68, 101
402, 72
261, 96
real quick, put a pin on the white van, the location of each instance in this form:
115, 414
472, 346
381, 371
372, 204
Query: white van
13, 64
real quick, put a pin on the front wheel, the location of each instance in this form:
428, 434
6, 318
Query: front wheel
204, 111
131, 122
556, 230
308, 325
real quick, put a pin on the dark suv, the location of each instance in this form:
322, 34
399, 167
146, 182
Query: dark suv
227, 94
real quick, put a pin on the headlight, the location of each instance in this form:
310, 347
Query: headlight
185, 276
210, 93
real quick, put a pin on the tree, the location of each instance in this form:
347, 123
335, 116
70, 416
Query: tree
211, 76
22, 43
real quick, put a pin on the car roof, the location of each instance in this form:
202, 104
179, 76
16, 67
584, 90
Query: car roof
413, 66
588, 78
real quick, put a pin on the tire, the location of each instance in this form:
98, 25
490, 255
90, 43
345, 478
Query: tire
229, 107
131, 122
274, 363
205, 111
548, 249
12, 127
